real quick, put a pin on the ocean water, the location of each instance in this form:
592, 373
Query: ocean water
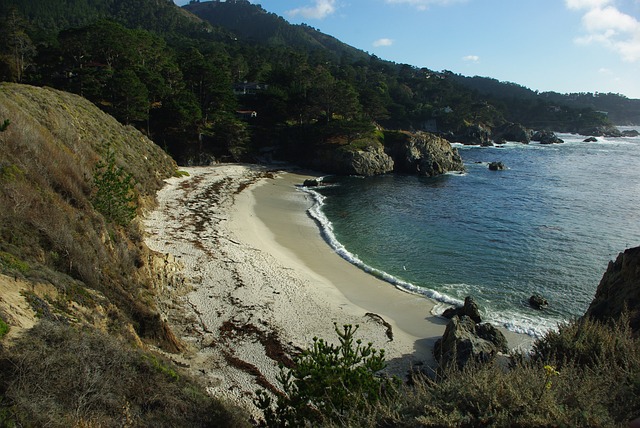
549, 224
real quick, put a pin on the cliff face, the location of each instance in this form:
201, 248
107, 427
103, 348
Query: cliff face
619, 289
51, 234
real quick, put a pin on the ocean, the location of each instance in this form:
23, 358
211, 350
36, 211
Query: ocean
549, 224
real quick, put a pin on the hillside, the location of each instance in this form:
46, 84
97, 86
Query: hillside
186, 77
79, 272
619, 109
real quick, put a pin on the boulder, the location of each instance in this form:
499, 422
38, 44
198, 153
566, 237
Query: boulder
464, 341
538, 302
546, 137
630, 133
372, 160
512, 132
469, 309
476, 135
601, 131
497, 166
424, 154
590, 140
619, 290
311, 182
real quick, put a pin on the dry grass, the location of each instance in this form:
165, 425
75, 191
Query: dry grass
597, 386
59, 376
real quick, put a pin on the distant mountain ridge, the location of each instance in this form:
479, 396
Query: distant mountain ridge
254, 24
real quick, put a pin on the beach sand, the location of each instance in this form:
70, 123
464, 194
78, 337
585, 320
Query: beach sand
251, 280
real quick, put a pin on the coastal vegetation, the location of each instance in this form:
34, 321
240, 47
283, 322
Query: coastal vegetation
92, 348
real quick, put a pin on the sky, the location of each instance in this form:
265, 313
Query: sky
546, 45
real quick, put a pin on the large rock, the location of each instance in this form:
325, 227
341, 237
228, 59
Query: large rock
546, 137
464, 341
619, 289
469, 309
369, 161
512, 132
424, 154
475, 134
497, 166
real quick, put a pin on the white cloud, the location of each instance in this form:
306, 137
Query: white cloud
321, 9
383, 42
424, 4
586, 4
608, 26
471, 58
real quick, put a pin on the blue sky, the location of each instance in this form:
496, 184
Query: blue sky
546, 45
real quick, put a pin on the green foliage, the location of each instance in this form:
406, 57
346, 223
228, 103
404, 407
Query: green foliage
4, 328
326, 381
5, 125
114, 194
594, 386
161, 367
10, 263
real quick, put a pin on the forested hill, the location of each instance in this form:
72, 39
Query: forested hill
236, 81
256, 25
619, 109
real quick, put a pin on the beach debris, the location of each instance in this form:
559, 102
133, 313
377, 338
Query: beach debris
538, 302
470, 309
377, 318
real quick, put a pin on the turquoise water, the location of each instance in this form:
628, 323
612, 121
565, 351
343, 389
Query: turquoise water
549, 225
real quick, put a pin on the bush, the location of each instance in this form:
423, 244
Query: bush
326, 381
586, 374
114, 195
4, 328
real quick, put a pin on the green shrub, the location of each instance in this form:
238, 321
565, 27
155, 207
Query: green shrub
114, 196
10, 263
4, 125
326, 381
586, 374
4, 328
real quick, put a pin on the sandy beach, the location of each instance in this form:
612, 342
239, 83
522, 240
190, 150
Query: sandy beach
249, 279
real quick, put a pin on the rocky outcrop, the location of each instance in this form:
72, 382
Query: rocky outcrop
546, 137
630, 133
497, 166
601, 131
619, 290
590, 140
512, 132
368, 162
475, 135
424, 154
538, 302
465, 341
469, 309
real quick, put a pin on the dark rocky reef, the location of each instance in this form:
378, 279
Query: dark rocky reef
536, 301
512, 132
619, 290
497, 166
546, 137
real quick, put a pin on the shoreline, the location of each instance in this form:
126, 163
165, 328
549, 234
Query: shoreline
249, 279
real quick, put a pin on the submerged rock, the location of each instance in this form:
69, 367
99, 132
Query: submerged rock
538, 302
546, 137
497, 166
590, 140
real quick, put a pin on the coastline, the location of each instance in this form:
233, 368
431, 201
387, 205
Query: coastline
249, 280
